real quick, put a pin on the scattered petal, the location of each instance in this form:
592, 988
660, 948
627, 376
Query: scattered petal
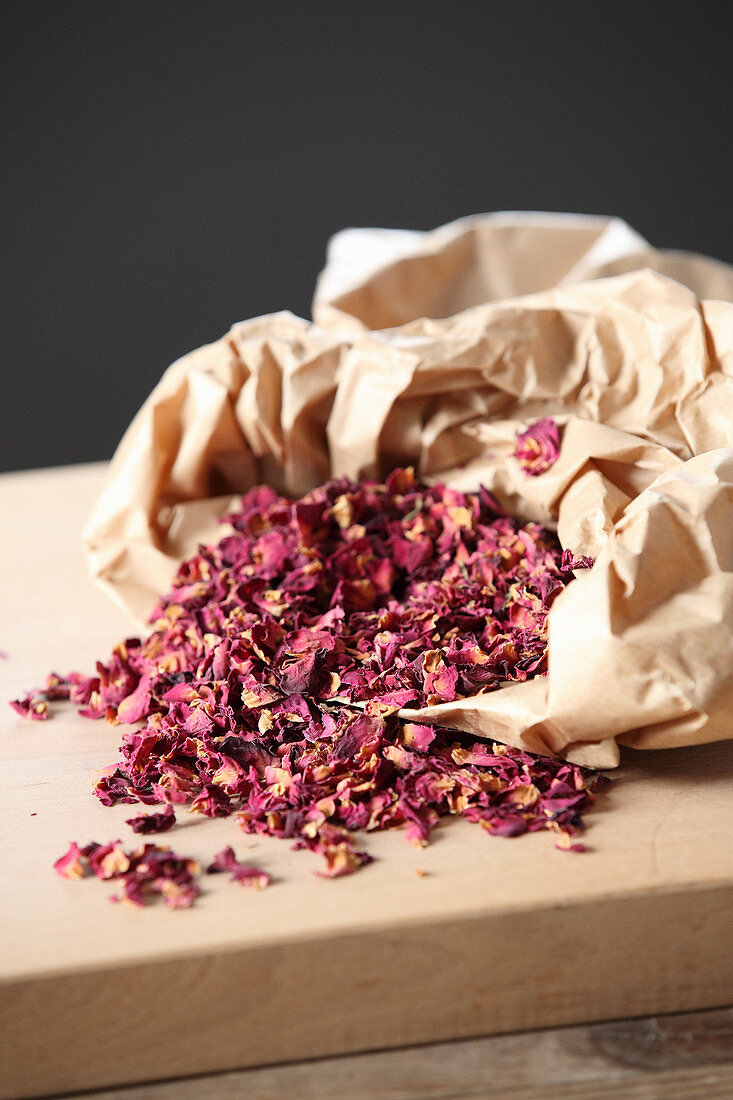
153, 823
252, 877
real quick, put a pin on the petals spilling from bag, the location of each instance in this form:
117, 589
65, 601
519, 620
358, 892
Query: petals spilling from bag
637, 372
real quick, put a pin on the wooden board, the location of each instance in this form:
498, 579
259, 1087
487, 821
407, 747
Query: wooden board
500, 935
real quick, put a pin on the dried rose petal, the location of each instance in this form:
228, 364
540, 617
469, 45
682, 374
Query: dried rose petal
153, 823
108, 860
538, 447
31, 706
571, 561
252, 877
342, 859
73, 863
225, 860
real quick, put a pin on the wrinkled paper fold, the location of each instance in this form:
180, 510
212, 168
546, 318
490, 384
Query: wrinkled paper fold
434, 350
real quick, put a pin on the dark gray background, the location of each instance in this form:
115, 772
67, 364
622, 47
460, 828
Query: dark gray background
169, 168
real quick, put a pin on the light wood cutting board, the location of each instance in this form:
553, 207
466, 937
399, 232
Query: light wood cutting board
498, 935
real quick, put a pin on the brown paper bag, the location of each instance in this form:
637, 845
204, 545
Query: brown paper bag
637, 371
381, 278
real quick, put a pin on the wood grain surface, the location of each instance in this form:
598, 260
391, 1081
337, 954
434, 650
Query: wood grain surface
498, 935
677, 1057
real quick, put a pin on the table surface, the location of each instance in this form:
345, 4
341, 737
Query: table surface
683, 1056
661, 863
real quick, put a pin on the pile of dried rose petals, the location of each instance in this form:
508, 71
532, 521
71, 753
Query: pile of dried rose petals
270, 684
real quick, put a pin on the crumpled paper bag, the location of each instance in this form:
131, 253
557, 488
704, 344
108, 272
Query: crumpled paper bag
381, 278
636, 369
